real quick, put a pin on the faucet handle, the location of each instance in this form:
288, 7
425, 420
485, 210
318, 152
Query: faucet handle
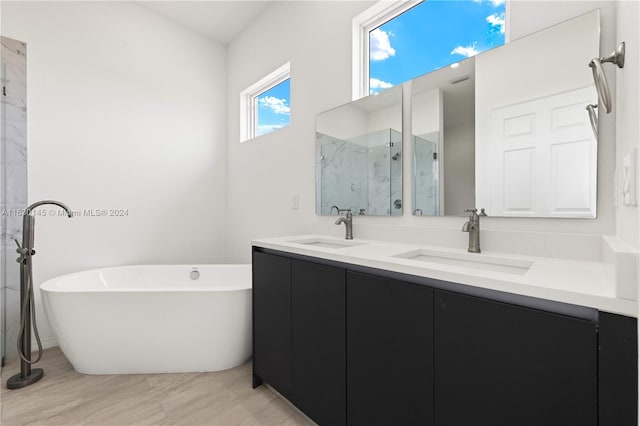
474, 213
482, 212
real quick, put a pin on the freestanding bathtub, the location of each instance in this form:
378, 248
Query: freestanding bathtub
152, 319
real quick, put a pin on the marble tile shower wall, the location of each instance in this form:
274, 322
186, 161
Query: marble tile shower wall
426, 177
385, 173
379, 181
362, 173
13, 182
343, 174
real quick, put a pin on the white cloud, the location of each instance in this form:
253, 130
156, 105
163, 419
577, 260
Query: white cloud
495, 3
468, 51
496, 21
266, 128
277, 105
374, 83
380, 46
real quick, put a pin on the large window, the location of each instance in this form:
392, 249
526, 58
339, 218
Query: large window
265, 105
395, 42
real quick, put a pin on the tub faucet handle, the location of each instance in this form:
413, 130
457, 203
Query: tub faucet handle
24, 252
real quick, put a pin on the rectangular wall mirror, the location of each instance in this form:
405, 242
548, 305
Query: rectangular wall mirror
359, 156
508, 130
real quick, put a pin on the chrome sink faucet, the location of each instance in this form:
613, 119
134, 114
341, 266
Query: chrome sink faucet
472, 226
347, 220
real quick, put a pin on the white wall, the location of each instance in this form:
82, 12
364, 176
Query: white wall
127, 111
426, 112
345, 122
627, 107
389, 117
459, 167
265, 173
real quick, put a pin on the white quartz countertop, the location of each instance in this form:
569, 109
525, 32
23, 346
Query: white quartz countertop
576, 282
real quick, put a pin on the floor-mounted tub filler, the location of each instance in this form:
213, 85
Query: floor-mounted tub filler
28, 375
152, 319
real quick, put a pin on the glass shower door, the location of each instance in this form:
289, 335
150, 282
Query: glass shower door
426, 168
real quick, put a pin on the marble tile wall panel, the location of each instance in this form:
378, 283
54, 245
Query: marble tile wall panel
13, 184
385, 173
343, 175
379, 180
426, 178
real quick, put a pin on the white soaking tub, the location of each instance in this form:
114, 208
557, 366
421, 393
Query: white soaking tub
152, 319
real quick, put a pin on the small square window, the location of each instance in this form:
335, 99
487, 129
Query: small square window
272, 108
265, 106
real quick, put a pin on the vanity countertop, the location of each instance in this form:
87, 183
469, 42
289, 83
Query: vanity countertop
576, 282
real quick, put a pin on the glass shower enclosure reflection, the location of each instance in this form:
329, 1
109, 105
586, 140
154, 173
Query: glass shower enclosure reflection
362, 173
426, 175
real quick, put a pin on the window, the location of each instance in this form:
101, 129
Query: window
265, 106
396, 42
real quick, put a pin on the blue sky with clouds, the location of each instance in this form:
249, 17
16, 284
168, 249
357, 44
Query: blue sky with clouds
433, 34
274, 108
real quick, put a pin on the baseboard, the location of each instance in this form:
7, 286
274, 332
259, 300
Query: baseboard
47, 342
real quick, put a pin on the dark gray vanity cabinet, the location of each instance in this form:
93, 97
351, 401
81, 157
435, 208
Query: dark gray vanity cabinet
359, 346
500, 364
389, 352
272, 321
318, 341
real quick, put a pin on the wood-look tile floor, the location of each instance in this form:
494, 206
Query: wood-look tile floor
66, 397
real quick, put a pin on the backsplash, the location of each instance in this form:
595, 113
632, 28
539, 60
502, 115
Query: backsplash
587, 247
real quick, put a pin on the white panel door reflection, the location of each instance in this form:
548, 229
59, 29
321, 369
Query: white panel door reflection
543, 158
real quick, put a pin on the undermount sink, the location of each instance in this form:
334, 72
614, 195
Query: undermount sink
327, 243
474, 261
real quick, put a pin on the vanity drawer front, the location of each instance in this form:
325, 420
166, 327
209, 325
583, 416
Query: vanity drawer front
501, 364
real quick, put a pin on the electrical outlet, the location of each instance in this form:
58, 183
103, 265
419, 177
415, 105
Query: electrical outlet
295, 202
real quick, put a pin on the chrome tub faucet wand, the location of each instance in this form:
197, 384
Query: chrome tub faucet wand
27, 375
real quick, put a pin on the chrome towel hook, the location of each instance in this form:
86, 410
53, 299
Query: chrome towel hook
602, 86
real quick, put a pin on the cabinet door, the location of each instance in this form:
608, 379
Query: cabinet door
502, 365
272, 321
389, 352
318, 341
618, 370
